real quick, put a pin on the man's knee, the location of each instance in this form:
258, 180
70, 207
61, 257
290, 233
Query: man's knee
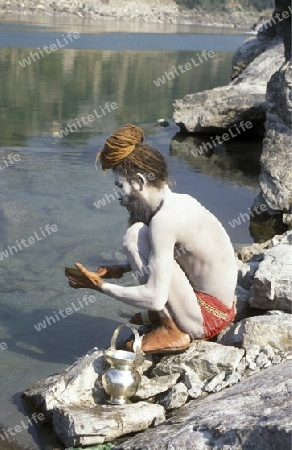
135, 235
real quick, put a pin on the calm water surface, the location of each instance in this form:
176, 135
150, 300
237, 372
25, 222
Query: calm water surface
53, 180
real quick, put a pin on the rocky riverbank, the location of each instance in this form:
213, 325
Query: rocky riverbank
230, 392
259, 95
166, 11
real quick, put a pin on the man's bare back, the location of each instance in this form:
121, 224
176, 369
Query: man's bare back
206, 255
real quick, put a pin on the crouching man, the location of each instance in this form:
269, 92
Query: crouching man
179, 252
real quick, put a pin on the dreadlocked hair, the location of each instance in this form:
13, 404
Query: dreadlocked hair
125, 153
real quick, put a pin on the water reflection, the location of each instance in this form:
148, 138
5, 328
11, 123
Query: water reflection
69, 84
236, 161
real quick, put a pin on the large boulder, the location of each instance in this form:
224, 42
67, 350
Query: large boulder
265, 276
272, 286
78, 383
274, 330
77, 425
242, 100
254, 414
275, 177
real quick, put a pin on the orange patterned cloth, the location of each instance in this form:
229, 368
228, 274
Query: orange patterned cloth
216, 315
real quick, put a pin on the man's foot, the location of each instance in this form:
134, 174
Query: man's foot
145, 318
167, 338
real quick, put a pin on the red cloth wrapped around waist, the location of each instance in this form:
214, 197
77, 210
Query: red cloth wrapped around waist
215, 314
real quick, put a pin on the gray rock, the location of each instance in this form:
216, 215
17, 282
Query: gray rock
261, 360
252, 351
273, 280
205, 358
152, 386
277, 359
77, 384
77, 425
232, 379
194, 384
276, 176
241, 366
254, 414
213, 384
220, 108
254, 252
242, 306
243, 99
260, 331
268, 351
175, 397
246, 53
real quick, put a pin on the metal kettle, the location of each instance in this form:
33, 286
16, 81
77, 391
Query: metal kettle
121, 380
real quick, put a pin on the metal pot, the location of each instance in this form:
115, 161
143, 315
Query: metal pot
121, 380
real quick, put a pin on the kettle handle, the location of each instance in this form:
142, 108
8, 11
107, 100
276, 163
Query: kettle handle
137, 343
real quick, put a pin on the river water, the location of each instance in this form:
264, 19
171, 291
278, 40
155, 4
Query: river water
51, 181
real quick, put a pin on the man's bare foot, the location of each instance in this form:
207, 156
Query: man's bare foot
145, 318
167, 338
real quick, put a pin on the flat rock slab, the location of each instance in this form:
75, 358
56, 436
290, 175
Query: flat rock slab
220, 108
76, 384
254, 414
76, 425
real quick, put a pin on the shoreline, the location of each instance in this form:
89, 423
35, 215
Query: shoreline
233, 19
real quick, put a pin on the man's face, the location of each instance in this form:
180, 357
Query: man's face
130, 196
125, 189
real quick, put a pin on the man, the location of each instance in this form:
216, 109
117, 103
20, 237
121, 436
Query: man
178, 251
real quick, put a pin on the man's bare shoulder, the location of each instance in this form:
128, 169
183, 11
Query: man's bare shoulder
177, 208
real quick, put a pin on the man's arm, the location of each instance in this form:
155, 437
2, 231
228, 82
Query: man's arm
154, 294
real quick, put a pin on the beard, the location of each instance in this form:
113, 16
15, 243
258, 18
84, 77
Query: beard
138, 209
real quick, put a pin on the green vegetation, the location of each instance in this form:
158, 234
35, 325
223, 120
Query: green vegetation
259, 5
107, 446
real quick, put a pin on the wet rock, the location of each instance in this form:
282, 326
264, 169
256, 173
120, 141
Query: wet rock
250, 415
77, 425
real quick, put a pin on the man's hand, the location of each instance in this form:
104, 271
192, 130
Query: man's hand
87, 279
111, 271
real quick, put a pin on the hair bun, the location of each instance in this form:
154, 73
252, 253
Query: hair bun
119, 145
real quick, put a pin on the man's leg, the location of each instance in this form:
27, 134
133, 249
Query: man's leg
181, 317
